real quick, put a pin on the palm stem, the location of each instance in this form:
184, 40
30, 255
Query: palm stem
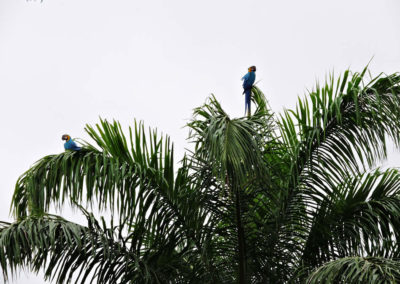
241, 241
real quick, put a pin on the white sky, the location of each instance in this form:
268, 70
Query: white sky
65, 63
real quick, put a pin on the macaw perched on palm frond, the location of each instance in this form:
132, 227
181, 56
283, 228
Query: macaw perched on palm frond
69, 143
248, 81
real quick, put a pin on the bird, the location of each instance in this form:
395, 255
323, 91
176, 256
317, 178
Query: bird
248, 81
69, 143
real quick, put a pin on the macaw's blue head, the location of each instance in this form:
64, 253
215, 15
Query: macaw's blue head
66, 137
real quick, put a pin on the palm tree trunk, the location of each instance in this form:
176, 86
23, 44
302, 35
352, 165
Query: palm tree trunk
241, 242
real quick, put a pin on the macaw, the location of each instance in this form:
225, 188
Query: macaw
248, 81
69, 143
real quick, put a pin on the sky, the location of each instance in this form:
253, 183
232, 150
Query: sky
65, 63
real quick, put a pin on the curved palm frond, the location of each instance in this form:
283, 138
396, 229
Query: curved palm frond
334, 137
157, 206
62, 248
357, 270
99, 253
358, 217
110, 177
231, 145
342, 128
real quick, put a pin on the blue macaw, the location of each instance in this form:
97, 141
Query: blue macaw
69, 143
248, 81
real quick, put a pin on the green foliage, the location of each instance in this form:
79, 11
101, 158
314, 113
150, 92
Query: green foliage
358, 270
260, 199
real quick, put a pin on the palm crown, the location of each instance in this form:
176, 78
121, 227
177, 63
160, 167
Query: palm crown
259, 199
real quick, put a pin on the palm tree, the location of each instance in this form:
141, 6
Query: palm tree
262, 199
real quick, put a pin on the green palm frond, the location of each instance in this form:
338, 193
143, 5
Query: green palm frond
98, 253
358, 217
231, 146
358, 270
332, 137
58, 246
110, 176
342, 126
158, 207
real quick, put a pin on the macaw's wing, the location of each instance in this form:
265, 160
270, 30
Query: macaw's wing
71, 145
74, 146
252, 78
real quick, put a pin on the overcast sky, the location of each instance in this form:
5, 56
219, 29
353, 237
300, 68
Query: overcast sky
64, 63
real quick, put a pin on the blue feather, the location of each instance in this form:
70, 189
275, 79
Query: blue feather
248, 80
71, 145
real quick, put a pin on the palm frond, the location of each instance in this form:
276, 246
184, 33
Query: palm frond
231, 146
110, 176
358, 217
57, 246
67, 251
341, 128
357, 270
157, 206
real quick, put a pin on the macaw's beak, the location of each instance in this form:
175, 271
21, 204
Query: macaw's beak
64, 137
